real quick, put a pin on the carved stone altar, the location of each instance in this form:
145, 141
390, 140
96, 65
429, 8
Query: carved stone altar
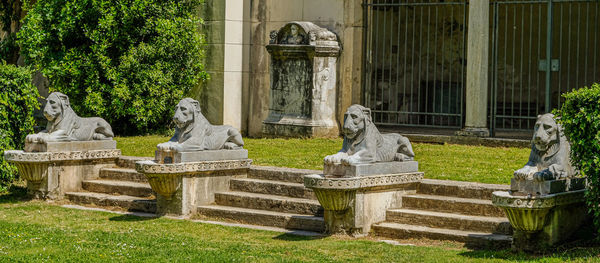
546, 204
196, 162
303, 81
369, 175
71, 149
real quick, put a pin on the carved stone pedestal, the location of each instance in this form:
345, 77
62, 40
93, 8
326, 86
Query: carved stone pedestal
541, 222
182, 187
51, 174
353, 204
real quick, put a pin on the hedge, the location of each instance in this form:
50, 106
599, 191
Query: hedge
580, 118
18, 100
126, 61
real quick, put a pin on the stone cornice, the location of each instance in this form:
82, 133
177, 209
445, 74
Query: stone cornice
317, 181
505, 200
151, 167
18, 156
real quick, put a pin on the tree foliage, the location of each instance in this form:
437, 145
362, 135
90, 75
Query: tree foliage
18, 100
580, 117
128, 61
10, 15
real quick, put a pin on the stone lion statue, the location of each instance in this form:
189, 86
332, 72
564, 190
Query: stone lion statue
549, 158
195, 133
364, 144
65, 125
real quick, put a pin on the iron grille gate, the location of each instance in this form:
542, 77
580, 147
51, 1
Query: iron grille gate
540, 49
415, 62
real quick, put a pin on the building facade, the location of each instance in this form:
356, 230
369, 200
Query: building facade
479, 68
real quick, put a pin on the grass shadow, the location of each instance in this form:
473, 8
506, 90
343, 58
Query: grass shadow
132, 218
587, 246
14, 194
299, 235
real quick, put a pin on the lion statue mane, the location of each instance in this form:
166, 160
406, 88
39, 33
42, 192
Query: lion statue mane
195, 133
65, 125
364, 144
549, 157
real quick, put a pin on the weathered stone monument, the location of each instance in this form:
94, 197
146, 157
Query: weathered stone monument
196, 162
303, 81
366, 177
546, 202
71, 149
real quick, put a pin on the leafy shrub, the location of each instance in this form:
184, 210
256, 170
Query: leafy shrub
10, 14
126, 61
580, 117
18, 100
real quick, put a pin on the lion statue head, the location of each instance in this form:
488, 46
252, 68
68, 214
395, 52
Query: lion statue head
549, 158
356, 119
546, 133
56, 104
185, 112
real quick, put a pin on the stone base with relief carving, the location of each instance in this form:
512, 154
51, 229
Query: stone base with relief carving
183, 186
54, 168
353, 204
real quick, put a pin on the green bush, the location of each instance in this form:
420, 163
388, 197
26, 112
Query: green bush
580, 117
18, 100
126, 61
10, 14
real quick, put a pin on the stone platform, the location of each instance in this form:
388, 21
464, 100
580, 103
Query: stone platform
382, 168
51, 174
276, 197
353, 204
537, 188
71, 146
541, 222
200, 156
182, 187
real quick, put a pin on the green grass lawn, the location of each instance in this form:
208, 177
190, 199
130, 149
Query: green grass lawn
32, 231
449, 162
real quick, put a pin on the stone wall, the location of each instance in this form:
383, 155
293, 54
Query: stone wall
343, 17
224, 97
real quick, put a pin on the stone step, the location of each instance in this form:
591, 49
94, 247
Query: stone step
130, 203
450, 204
129, 161
260, 186
471, 239
118, 187
269, 202
122, 174
460, 189
264, 218
497, 225
280, 173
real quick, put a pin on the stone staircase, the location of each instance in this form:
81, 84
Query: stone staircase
449, 210
120, 186
274, 196
270, 196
